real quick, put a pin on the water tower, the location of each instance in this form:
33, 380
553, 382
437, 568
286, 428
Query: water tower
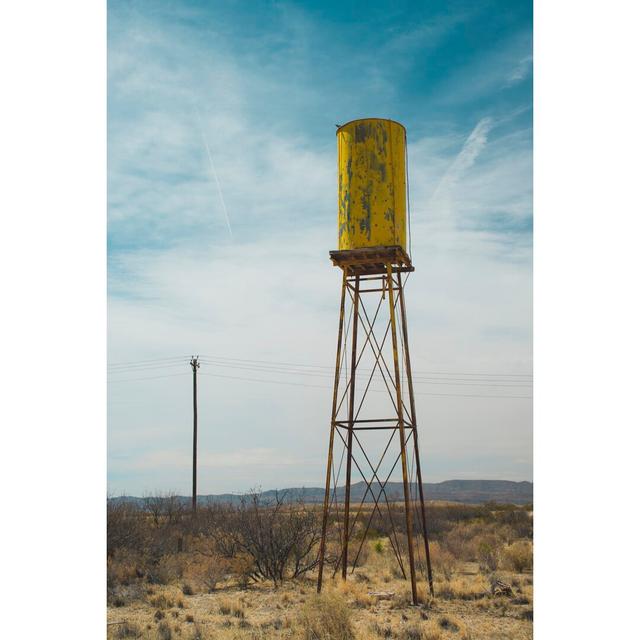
373, 432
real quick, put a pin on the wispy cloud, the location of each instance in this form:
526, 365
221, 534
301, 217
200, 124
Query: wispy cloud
522, 69
215, 174
465, 159
490, 72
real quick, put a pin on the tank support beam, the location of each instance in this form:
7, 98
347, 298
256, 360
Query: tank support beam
353, 525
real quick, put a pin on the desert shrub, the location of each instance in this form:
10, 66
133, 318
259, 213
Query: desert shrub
164, 631
518, 521
211, 531
230, 607
447, 623
187, 589
161, 601
488, 553
165, 509
128, 630
380, 631
411, 632
279, 537
359, 552
464, 588
455, 625
378, 546
123, 567
121, 596
165, 569
442, 561
125, 529
459, 541
211, 571
325, 616
519, 556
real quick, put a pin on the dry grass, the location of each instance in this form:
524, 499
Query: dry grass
148, 600
344, 611
519, 556
443, 562
355, 593
431, 631
464, 588
128, 630
452, 623
232, 607
403, 597
325, 617
162, 601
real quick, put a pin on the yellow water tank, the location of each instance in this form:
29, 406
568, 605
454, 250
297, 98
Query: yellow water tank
372, 184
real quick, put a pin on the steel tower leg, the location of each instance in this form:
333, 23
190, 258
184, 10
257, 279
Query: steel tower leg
403, 449
325, 512
352, 389
405, 337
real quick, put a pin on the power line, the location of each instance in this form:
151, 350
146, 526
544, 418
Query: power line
170, 375
301, 384
298, 364
150, 360
266, 366
456, 382
173, 360
365, 374
147, 367
283, 368
315, 386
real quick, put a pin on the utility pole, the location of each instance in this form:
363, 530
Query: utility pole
195, 365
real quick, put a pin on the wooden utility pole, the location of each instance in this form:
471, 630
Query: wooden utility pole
195, 365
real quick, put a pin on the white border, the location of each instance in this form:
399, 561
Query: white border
586, 320
52, 252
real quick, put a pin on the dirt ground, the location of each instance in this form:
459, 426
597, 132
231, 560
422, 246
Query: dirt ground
376, 605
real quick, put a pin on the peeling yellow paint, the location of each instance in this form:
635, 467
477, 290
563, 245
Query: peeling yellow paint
372, 184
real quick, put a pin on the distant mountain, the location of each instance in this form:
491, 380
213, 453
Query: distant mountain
468, 491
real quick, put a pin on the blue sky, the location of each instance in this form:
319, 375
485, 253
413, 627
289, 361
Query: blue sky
222, 210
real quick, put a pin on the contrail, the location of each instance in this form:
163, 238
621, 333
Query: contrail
464, 160
215, 174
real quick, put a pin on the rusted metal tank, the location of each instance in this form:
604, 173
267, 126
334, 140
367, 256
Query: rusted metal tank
372, 184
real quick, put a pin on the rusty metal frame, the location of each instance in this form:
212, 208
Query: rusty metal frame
386, 266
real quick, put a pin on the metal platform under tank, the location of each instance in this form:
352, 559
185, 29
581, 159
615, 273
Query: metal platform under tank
372, 260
